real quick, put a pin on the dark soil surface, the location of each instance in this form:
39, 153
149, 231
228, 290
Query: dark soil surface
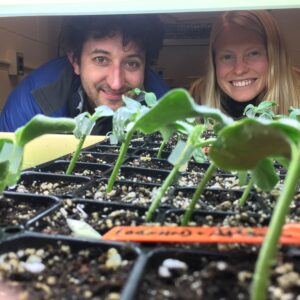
81, 169
100, 216
59, 271
49, 184
129, 193
18, 210
200, 276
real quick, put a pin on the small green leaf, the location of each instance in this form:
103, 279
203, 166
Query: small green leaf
40, 125
266, 105
176, 152
265, 176
120, 120
181, 154
102, 111
199, 156
131, 104
84, 125
150, 99
243, 177
294, 113
11, 158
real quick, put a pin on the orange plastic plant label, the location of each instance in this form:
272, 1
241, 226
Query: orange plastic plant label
168, 234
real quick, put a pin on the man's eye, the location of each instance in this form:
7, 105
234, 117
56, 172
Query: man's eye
133, 65
101, 60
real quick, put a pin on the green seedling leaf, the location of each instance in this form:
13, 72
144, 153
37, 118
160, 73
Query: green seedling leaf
173, 106
242, 145
120, 120
250, 111
243, 177
113, 140
294, 113
80, 228
131, 104
266, 105
84, 125
176, 154
11, 158
102, 111
135, 91
40, 125
150, 99
85, 121
262, 111
265, 176
4, 170
199, 156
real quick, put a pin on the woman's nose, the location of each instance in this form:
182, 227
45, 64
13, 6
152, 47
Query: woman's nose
240, 66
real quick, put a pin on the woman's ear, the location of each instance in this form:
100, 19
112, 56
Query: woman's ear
73, 61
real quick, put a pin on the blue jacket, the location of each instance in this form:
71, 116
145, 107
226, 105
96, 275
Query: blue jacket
54, 90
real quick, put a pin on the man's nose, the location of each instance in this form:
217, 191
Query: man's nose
240, 66
115, 78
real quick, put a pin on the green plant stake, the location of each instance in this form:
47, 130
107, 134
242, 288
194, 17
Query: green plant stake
85, 122
11, 152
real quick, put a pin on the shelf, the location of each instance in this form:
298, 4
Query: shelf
89, 7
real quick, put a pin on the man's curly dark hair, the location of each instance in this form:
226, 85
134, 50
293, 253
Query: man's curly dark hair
145, 30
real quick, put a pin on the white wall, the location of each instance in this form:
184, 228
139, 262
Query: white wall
34, 37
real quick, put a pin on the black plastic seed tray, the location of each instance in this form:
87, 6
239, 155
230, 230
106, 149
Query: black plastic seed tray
142, 175
45, 267
81, 169
123, 192
48, 184
102, 216
152, 153
148, 163
17, 209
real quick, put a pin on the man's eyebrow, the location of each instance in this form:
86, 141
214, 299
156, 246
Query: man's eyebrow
139, 55
100, 51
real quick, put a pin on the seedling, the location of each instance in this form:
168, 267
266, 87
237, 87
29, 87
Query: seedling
11, 151
180, 156
173, 106
245, 145
262, 111
294, 113
85, 123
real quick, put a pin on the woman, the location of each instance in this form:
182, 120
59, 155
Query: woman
248, 63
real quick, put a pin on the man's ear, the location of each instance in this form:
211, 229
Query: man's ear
73, 61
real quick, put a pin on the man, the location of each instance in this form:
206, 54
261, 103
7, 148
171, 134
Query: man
106, 56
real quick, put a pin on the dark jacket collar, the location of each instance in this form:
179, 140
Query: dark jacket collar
234, 108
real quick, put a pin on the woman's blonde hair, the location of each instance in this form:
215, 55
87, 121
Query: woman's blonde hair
282, 80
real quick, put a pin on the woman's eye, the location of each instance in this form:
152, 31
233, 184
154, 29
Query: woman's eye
253, 54
226, 58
